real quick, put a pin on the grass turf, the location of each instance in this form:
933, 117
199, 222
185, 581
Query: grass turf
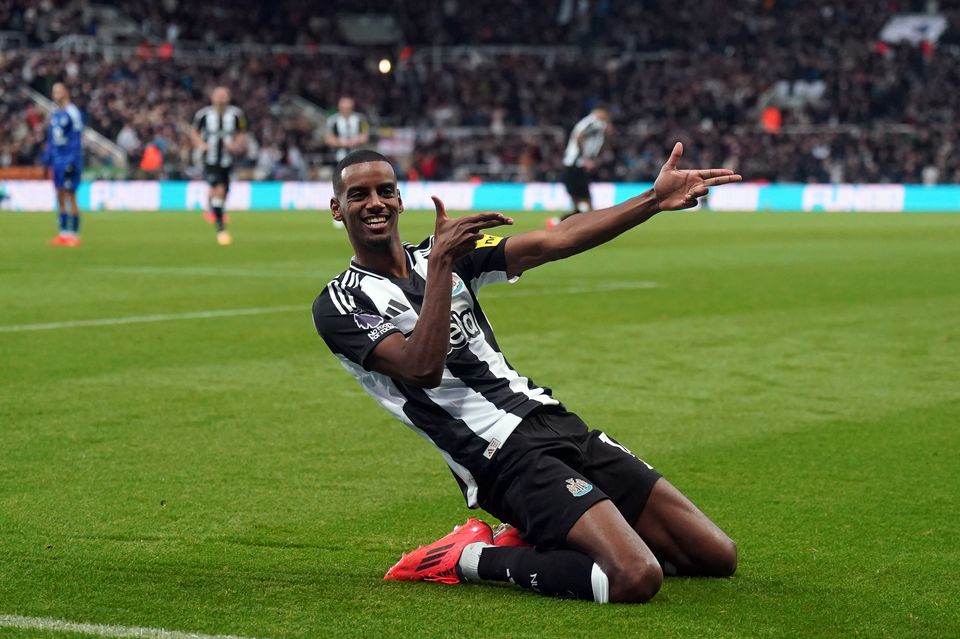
796, 375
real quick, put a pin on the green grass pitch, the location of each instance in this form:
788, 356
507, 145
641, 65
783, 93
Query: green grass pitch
797, 375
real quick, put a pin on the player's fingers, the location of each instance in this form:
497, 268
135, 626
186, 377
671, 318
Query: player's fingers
500, 218
711, 173
723, 179
675, 156
441, 209
484, 224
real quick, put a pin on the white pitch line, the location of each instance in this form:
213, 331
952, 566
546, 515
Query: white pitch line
101, 630
570, 290
143, 319
263, 310
191, 271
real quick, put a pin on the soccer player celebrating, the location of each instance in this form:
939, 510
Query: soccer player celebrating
580, 159
405, 320
63, 154
219, 132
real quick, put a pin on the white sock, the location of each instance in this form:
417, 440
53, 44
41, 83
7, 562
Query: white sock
601, 585
470, 560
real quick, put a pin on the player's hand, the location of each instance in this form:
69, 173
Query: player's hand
455, 237
204, 147
589, 165
676, 189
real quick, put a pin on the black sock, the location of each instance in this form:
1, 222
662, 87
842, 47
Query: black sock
218, 213
557, 573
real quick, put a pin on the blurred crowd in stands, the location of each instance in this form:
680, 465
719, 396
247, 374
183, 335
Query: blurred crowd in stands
780, 90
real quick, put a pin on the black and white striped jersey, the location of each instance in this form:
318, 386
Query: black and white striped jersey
481, 398
592, 131
346, 127
218, 130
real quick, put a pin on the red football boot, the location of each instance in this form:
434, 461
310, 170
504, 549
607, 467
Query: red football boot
438, 561
507, 535
59, 240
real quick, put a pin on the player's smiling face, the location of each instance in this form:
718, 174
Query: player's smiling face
369, 204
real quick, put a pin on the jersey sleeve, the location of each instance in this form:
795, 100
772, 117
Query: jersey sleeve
348, 328
198, 119
485, 264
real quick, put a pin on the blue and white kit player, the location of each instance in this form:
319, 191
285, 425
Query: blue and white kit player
63, 154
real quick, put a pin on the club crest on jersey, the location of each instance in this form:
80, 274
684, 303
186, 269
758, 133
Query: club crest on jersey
366, 321
578, 487
458, 285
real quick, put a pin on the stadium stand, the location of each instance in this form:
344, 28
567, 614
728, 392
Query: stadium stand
763, 87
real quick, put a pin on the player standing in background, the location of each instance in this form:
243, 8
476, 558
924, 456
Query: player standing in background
406, 322
346, 130
63, 154
219, 132
580, 159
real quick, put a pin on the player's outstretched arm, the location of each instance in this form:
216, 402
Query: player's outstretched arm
420, 358
674, 189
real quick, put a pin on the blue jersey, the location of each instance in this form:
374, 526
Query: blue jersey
63, 138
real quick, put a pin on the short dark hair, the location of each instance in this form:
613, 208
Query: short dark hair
356, 157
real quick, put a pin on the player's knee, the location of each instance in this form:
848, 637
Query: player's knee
721, 558
635, 583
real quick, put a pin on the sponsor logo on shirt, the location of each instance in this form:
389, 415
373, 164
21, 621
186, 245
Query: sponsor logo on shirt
578, 487
463, 328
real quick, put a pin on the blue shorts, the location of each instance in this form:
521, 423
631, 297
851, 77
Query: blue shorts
66, 179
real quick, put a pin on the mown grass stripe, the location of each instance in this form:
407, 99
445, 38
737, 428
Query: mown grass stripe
102, 630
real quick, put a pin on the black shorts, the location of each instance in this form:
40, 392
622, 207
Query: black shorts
577, 181
552, 469
215, 175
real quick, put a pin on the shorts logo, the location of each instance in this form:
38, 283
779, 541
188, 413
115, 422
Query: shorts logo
366, 321
578, 487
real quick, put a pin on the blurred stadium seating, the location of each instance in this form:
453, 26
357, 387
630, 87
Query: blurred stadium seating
780, 90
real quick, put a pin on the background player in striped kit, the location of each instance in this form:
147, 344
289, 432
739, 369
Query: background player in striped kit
580, 159
347, 130
219, 133
63, 154
406, 322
